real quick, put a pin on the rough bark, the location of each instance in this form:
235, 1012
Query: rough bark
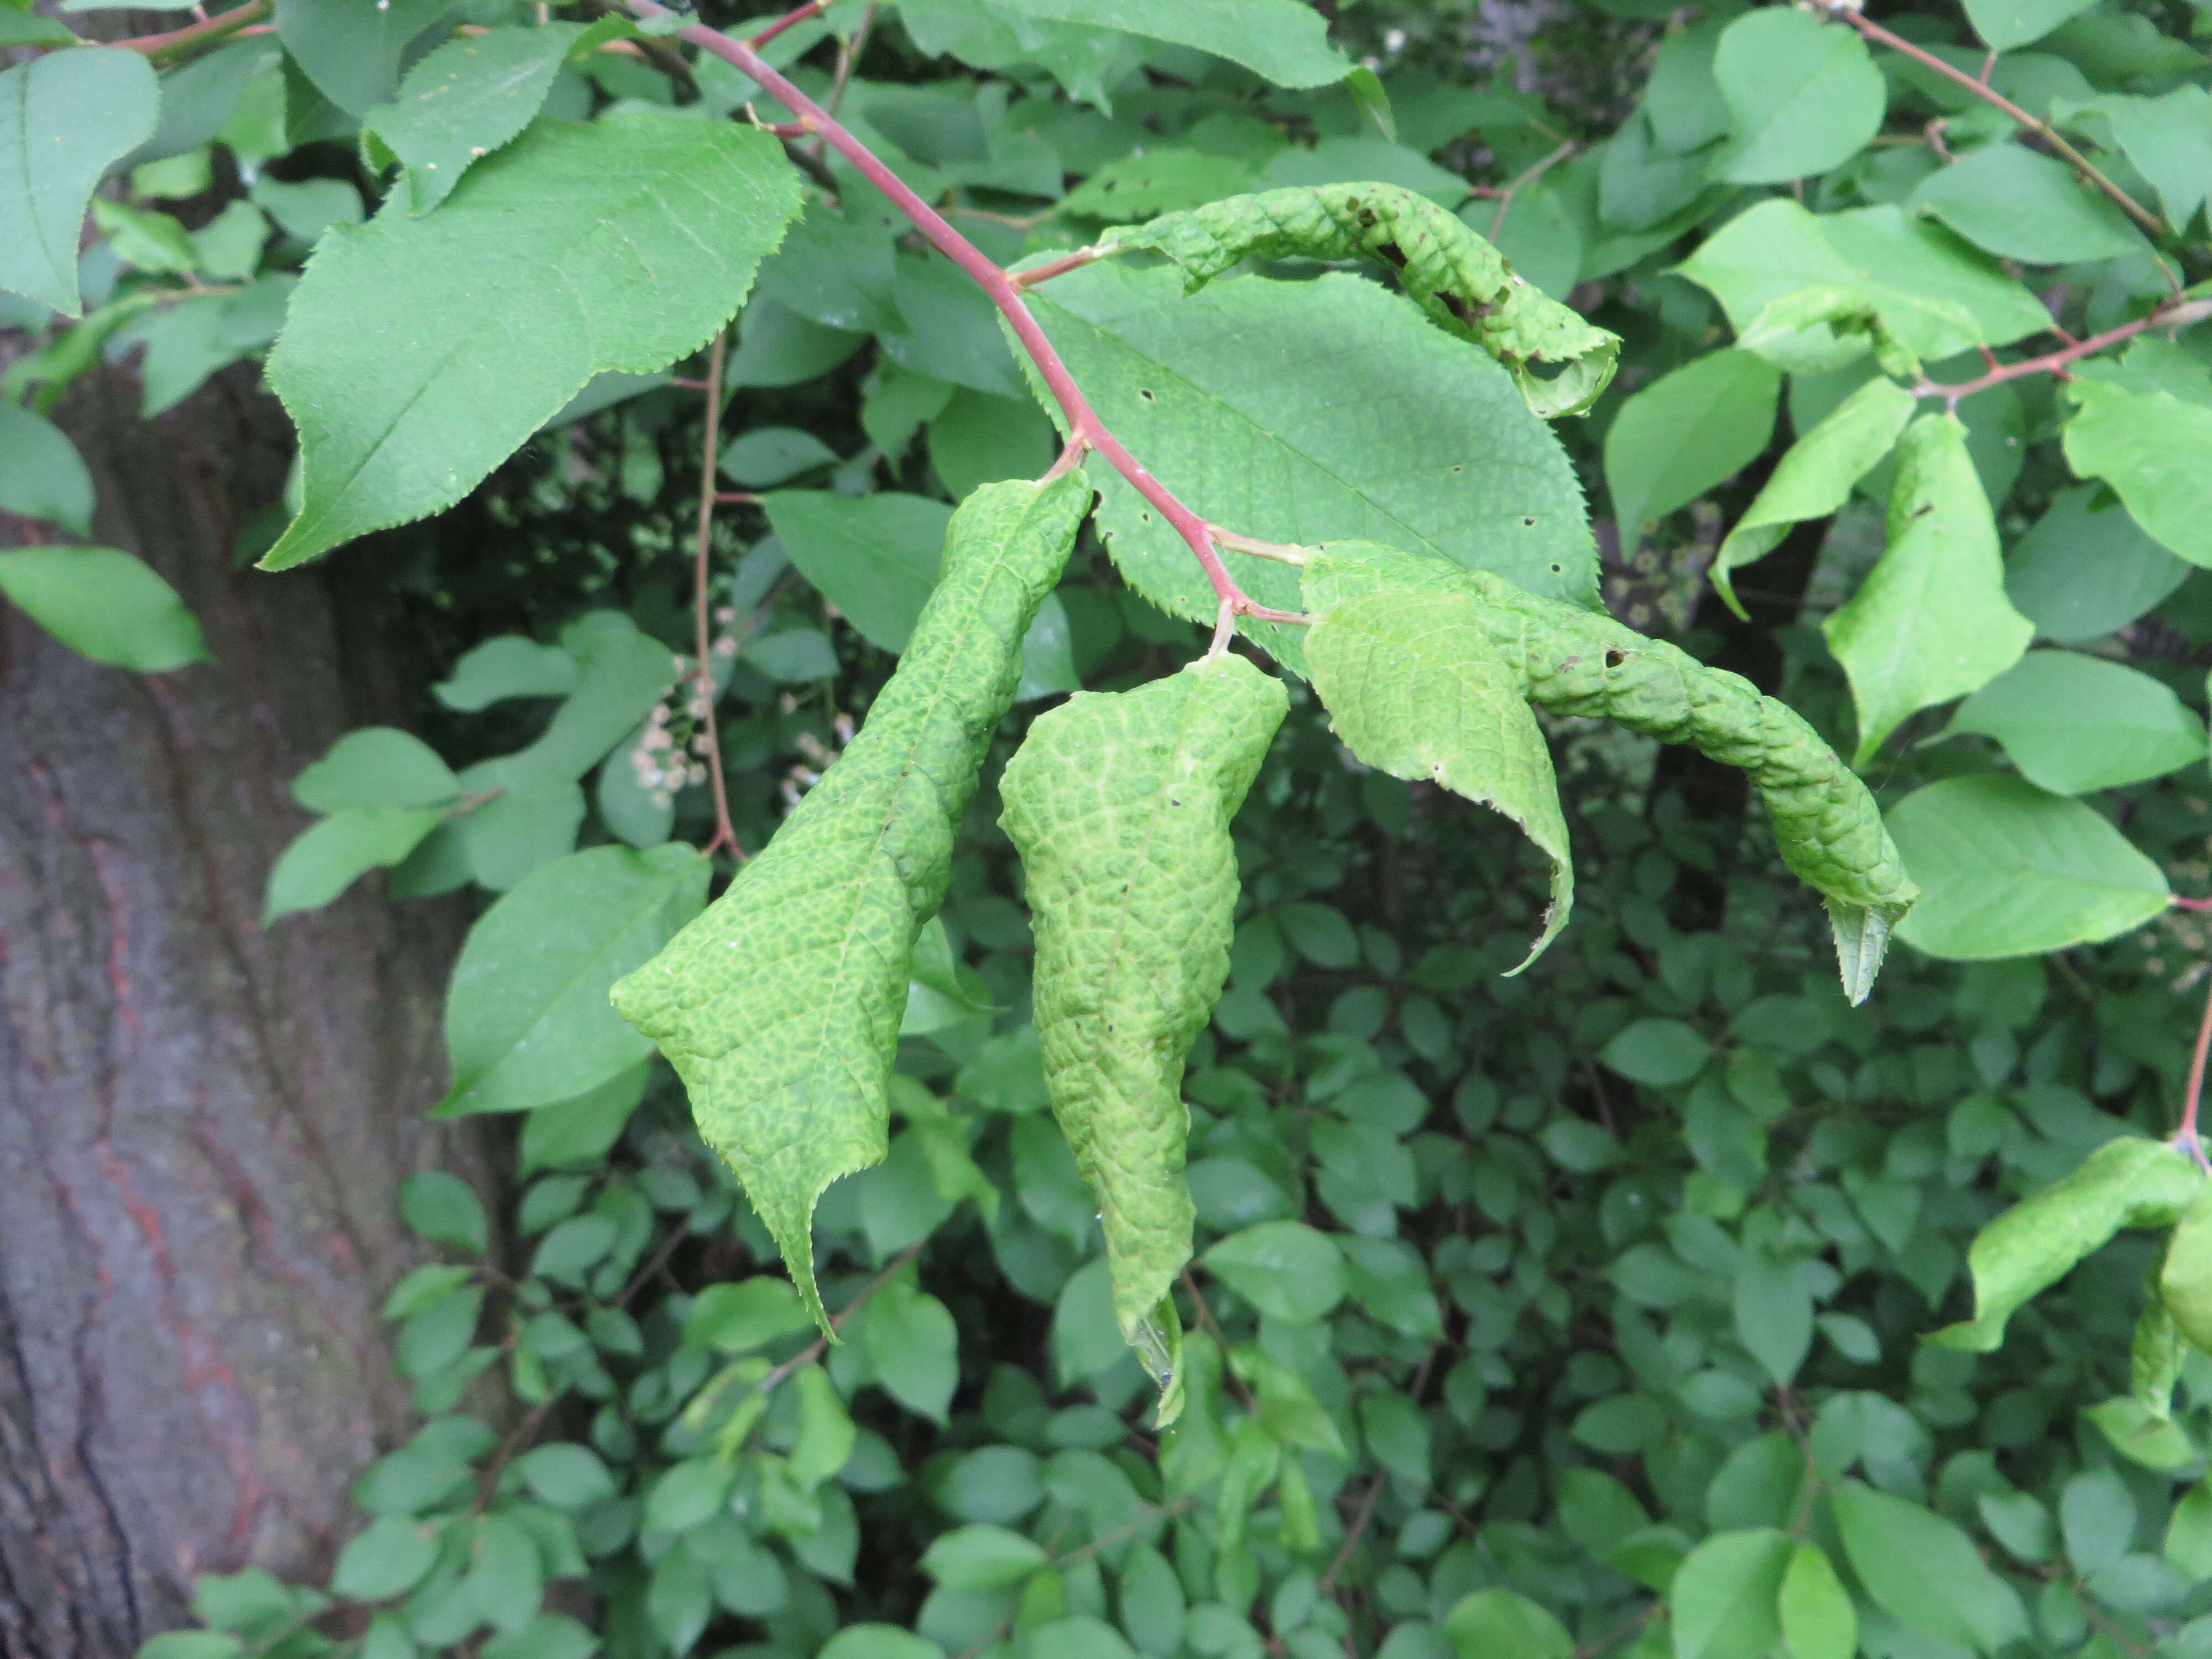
201, 1124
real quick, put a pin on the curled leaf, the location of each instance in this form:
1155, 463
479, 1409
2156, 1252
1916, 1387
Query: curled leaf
780, 1006
1573, 662
1120, 806
2127, 1183
2184, 1282
1464, 283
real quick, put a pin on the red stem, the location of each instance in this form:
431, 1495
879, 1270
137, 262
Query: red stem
1842, 12
1084, 428
789, 20
2167, 314
2186, 1134
726, 832
208, 29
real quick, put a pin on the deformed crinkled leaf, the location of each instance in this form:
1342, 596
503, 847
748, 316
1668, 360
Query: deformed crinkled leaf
1450, 272
1120, 804
2184, 1281
1815, 476
2156, 1355
1416, 686
1931, 621
2127, 1183
1572, 662
780, 1006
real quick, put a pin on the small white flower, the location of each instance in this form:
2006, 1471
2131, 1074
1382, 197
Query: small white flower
726, 646
657, 738
727, 614
695, 774
663, 800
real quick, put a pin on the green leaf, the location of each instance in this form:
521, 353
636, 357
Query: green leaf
2153, 1441
466, 100
387, 1557
1773, 1313
2086, 569
375, 766
2127, 1183
1416, 686
1561, 362
1284, 41
566, 1475
65, 118
826, 1435
622, 245
1657, 1052
509, 666
914, 1346
2009, 871
1805, 96
2021, 205
1818, 1619
444, 1209
2004, 24
1724, 1597
2149, 446
780, 1005
771, 454
1120, 806
980, 1558
579, 1131
736, 1317
1573, 663
1496, 1623
527, 1018
1162, 179
878, 1642
1399, 432
2189, 1535
1937, 294
106, 605
2168, 138
41, 475
1284, 1268
688, 1493
1816, 475
875, 557
351, 51
623, 673
2074, 724
2184, 1279
1923, 1570
1687, 431
1931, 621
330, 856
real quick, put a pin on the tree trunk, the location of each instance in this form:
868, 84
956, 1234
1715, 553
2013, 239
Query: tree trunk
201, 1124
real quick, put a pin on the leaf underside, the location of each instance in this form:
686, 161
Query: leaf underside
1120, 806
1464, 283
1572, 662
780, 1006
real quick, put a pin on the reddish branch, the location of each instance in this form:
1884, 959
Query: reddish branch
2170, 314
2186, 1136
203, 33
1873, 31
1085, 430
726, 833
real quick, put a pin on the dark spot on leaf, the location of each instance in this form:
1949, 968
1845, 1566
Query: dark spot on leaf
1145, 393
1615, 656
1530, 524
1459, 467
1559, 569
1394, 253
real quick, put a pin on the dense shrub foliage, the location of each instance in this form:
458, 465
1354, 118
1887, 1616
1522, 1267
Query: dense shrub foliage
1545, 1315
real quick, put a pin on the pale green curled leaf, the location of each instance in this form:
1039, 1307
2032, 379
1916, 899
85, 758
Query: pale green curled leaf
1561, 362
1816, 475
2150, 446
1120, 804
1931, 621
2184, 1279
527, 1019
2156, 1354
104, 604
1572, 662
1417, 685
2127, 1183
465, 100
65, 118
621, 245
780, 1006
1922, 1570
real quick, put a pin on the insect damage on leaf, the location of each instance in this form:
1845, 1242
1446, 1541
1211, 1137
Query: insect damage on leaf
1120, 806
780, 1006
1463, 282
1572, 662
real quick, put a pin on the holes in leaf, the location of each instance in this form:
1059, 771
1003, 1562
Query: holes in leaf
1615, 656
1146, 393
1558, 570
1529, 524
